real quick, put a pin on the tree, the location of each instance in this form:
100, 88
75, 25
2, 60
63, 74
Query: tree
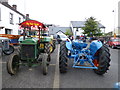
91, 27
68, 32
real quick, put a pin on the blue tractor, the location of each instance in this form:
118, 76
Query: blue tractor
96, 56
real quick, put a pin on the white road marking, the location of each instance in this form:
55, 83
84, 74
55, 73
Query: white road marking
56, 77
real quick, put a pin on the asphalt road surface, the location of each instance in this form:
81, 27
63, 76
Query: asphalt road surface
29, 77
86, 78
74, 78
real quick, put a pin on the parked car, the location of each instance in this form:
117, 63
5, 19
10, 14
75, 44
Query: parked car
61, 37
114, 43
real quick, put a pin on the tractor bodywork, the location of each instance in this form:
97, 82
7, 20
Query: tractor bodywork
33, 50
82, 55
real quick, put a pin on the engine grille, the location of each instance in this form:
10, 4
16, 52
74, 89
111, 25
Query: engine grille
27, 51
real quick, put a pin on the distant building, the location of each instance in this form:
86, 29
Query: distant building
9, 18
118, 33
76, 27
55, 29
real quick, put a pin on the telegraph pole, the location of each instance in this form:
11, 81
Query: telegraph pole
114, 23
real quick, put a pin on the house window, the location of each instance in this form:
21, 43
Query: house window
8, 31
19, 20
11, 18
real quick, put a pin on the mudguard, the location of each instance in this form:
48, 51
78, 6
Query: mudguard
69, 45
94, 46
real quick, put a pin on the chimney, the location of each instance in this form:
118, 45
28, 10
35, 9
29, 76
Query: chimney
14, 6
27, 16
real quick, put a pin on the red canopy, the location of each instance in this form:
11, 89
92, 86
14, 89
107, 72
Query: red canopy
32, 23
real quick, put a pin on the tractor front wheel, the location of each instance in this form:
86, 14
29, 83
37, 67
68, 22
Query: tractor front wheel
63, 58
103, 61
13, 64
44, 63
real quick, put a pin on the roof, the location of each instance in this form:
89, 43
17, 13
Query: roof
54, 30
80, 24
8, 6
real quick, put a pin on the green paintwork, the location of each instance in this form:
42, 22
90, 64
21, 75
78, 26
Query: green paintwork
33, 42
29, 41
46, 39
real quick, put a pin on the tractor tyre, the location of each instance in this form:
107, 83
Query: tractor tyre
51, 48
106, 47
48, 59
13, 64
8, 52
63, 58
44, 63
54, 44
103, 61
47, 48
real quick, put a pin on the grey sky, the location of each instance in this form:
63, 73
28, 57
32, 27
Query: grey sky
61, 12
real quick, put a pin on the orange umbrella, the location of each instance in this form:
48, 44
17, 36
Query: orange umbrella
28, 24
32, 23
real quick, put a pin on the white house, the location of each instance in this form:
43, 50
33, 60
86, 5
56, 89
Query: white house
76, 27
10, 18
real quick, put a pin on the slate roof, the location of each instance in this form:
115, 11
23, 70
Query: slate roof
54, 30
10, 7
80, 24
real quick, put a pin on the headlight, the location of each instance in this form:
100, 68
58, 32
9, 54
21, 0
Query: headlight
115, 44
2, 40
42, 46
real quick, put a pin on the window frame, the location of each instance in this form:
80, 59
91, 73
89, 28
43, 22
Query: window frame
11, 18
19, 20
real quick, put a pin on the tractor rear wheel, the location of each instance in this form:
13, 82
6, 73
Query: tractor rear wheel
44, 63
63, 58
54, 44
48, 48
8, 52
103, 61
13, 64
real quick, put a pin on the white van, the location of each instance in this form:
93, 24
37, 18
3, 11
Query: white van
62, 36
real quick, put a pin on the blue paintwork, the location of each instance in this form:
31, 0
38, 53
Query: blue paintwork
82, 56
94, 46
117, 85
69, 45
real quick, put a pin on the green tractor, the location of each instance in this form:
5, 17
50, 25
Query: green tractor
33, 51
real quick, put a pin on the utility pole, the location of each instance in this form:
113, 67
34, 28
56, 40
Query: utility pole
114, 23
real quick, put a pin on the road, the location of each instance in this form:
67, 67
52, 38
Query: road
74, 78
86, 78
29, 78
